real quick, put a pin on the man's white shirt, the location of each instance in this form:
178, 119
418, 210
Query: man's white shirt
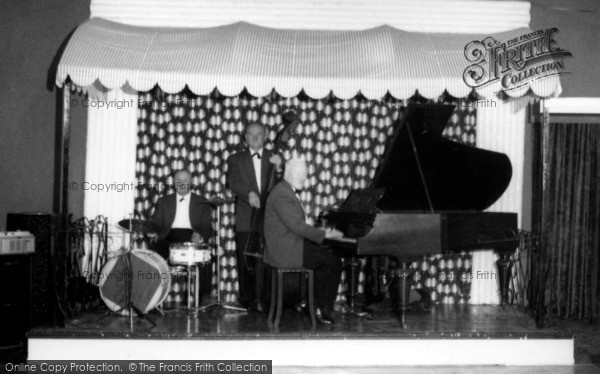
257, 162
182, 214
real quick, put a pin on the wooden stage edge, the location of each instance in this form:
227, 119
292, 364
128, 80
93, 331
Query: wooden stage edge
447, 335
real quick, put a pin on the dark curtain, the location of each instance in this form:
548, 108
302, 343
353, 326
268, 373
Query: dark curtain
342, 141
571, 220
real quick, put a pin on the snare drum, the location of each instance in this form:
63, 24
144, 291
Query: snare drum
150, 277
188, 254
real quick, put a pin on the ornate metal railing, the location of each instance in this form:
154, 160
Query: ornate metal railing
81, 250
529, 277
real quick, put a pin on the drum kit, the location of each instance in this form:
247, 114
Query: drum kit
139, 280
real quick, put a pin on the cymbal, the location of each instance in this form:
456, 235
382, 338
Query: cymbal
139, 225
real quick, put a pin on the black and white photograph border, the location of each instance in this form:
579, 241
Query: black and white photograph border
449, 159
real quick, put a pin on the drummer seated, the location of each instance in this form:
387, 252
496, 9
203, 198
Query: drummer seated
183, 217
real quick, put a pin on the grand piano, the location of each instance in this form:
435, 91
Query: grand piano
427, 197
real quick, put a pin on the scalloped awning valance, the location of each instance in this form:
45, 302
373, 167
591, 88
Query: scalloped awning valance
373, 62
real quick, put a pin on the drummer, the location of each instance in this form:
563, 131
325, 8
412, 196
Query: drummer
183, 217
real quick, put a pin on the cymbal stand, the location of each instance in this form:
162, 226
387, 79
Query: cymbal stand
218, 247
129, 266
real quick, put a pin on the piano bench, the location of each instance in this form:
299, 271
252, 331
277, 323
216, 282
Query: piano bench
277, 292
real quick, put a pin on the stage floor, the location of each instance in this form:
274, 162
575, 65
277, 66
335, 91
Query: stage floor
443, 321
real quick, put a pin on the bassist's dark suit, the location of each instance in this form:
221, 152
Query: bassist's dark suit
241, 179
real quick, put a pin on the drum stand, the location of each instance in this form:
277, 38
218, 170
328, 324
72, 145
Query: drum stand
130, 305
196, 268
218, 246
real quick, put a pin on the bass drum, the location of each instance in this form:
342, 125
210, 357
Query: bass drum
150, 276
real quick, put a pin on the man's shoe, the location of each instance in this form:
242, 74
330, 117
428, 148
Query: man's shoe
322, 318
301, 306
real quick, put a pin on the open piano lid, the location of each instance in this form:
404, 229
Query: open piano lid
457, 176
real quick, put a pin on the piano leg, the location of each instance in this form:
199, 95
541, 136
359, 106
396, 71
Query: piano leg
504, 265
376, 273
353, 271
403, 275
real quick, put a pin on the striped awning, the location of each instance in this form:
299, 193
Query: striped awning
373, 62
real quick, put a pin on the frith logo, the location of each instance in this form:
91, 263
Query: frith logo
516, 62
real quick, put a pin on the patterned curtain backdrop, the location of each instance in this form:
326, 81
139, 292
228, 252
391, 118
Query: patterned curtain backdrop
341, 140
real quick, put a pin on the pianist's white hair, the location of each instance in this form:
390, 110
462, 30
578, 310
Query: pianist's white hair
294, 165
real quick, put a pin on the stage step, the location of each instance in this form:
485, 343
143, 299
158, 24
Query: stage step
319, 352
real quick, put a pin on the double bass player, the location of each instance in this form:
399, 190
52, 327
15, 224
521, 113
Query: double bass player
251, 175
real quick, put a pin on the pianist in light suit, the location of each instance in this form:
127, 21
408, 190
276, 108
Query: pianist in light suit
291, 242
183, 217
